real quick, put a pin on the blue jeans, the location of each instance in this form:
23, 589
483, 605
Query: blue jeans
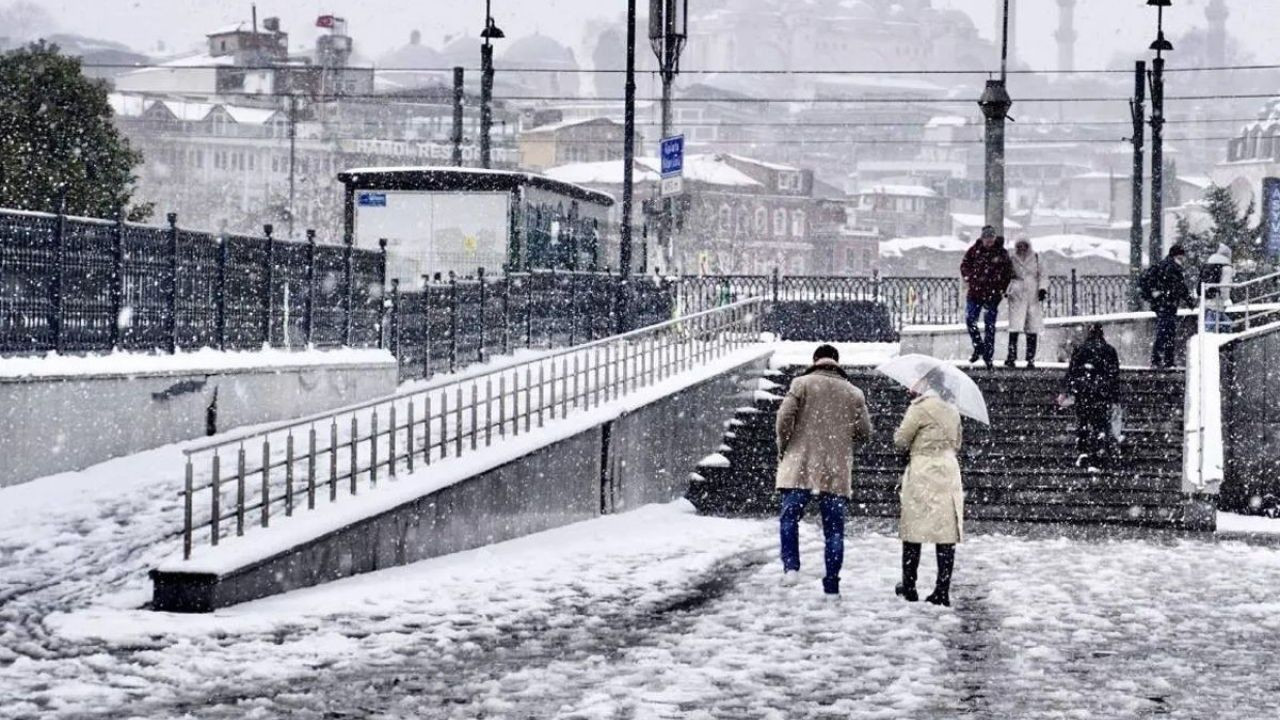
983, 344
1217, 321
1164, 350
833, 508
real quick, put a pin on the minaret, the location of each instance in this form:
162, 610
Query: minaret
1066, 35
1216, 13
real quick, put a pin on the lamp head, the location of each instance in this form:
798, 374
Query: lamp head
492, 31
1161, 44
1160, 3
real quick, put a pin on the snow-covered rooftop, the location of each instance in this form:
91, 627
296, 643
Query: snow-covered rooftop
968, 220
904, 190
947, 121
1070, 246
707, 169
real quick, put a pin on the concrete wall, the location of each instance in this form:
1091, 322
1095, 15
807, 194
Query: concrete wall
1251, 423
1131, 334
641, 457
55, 424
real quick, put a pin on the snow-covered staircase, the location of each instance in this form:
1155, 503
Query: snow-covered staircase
1021, 469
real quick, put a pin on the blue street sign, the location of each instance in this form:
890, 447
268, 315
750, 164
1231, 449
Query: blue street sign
672, 156
1271, 216
369, 199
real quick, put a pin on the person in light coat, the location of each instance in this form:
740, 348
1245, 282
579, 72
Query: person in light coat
1218, 271
1027, 293
931, 492
820, 421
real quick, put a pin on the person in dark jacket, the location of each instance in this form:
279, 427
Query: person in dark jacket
987, 272
1093, 386
1164, 287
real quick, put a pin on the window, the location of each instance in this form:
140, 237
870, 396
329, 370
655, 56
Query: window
797, 223
788, 181
744, 222
726, 218
253, 161
762, 221
779, 222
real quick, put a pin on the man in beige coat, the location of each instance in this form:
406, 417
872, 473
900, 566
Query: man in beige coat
820, 421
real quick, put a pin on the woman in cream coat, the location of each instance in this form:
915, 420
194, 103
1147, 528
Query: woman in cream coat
931, 492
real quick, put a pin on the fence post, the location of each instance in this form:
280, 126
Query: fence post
395, 323
268, 279
382, 298
573, 306
348, 300
528, 309
506, 311
59, 270
453, 321
171, 324
1075, 299
308, 319
484, 314
875, 285
426, 335
117, 278
220, 299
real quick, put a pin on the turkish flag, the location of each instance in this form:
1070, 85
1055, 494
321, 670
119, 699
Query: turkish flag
325, 21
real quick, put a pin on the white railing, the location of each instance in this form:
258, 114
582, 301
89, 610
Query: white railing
293, 465
1260, 305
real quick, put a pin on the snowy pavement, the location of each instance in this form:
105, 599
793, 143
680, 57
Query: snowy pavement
659, 613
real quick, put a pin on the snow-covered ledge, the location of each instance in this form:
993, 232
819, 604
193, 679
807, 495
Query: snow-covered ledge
60, 413
1202, 452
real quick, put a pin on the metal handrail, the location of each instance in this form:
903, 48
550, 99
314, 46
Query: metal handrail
406, 427
465, 376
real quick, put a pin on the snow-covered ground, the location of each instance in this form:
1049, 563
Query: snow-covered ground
654, 614
660, 613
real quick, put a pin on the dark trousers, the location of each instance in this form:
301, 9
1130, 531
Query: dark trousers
984, 342
1164, 350
1093, 429
833, 509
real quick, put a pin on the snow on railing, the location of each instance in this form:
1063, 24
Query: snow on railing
1259, 306
289, 464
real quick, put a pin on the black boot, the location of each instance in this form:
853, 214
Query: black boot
1012, 360
910, 564
941, 594
1033, 341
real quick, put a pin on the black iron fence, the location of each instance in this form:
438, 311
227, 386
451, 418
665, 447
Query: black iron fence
73, 285
446, 324
83, 285
909, 300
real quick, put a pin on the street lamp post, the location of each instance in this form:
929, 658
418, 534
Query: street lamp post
491, 32
1161, 46
995, 104
628, 163
668, 32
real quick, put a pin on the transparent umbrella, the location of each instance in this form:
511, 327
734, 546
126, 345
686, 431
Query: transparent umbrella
922, 373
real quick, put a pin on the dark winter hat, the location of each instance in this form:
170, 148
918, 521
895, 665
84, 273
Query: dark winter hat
1177, 251
826, 352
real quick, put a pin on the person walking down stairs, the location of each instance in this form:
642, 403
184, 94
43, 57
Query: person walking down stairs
1027, 293
931, 493
987, 272
1092, 387
820, 421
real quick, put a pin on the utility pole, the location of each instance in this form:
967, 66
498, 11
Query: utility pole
293, 154
458, 98
995, 105
1138, 111
628, 143
1161, 45
491, 32
668, 32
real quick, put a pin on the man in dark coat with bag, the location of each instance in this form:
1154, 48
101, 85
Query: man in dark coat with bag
1092, 387
1164, 287
987, 272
